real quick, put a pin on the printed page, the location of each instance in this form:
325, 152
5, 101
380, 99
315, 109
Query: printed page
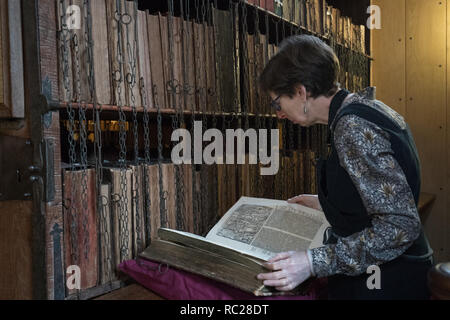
262, 228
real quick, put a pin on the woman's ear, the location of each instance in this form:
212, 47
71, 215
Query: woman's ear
301, 91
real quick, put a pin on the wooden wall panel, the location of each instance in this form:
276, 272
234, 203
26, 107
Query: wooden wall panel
445, 214
411, 73
426, 107
15, 249
388, 50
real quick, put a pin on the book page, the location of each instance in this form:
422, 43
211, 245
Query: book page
263, 227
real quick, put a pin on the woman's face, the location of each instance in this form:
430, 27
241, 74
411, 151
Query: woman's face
293, 108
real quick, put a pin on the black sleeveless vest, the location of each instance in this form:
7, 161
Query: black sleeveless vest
344, 209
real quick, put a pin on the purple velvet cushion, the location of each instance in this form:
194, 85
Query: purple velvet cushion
175, 284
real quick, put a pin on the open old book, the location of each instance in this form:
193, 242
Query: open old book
250, 233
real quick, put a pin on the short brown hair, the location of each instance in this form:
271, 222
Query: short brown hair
305, 60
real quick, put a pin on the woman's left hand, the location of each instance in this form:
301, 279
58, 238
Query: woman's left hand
289, 270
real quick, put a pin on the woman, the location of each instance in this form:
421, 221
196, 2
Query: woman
368, 186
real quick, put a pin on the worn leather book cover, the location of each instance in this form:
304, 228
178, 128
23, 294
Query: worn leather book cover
138, 226
177, 68
198, 197
156, 61
251, 73
145, 81
189, 65
101, 54
235, 248
288, 10
80, 60
106, 249
121, 212
80, 225
335, 15
153, 212
168, 179
168, 75
211, 91
130, 53
200, 67
187, 197
115, 54
260, 63
65, 77
224, 40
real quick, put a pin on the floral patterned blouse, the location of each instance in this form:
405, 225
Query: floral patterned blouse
364, 151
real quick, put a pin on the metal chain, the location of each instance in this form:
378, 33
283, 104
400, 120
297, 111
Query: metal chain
83, 146
65, 45
122, 18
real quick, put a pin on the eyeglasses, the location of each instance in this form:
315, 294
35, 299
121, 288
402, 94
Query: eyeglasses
276, 103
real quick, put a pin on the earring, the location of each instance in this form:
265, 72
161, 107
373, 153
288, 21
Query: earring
304, 109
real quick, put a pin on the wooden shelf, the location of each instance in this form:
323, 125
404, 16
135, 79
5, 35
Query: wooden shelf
164, 111
305, 30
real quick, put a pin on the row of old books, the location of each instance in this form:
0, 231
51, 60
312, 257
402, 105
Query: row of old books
259, 52
142, 59
115, 220
105, 227
320, 18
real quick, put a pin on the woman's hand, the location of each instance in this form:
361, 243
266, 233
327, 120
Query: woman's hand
290, 269
307, 200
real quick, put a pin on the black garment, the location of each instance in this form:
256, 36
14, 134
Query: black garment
404, 277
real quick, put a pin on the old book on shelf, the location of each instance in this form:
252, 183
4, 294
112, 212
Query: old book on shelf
296, 5
102, 73
252, 231
121, 211
224, 40
152, 187
80, 59
130, 52
251, 75
168, 185
176, 68
145, 80
329, 21
12, 103
211, 91
138, 220
106, 254
80, 224
200, 55
156, 61
288, 10
187, 194
115, 52
189, 65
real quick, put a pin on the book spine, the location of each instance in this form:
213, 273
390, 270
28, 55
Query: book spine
153, 215
189, 65
168, 176
80, 225
157, 64
176, 38
144, 83
200, 72
188, 209
106, 250
100, 51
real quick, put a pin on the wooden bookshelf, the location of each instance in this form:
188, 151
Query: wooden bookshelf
44, 130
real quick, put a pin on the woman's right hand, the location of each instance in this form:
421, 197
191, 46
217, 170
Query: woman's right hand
307, 200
